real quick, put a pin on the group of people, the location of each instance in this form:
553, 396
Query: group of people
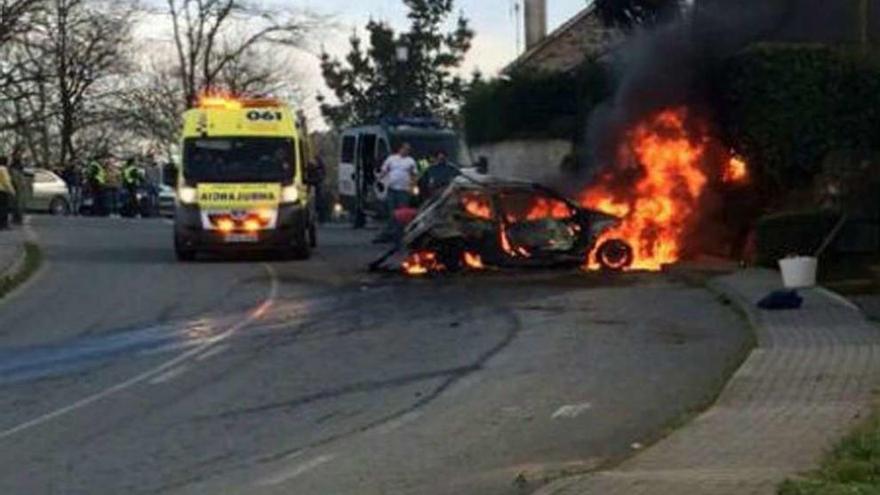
401, 174
14, 191
113, 188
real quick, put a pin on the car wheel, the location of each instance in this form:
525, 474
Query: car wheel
59, 207
615, 255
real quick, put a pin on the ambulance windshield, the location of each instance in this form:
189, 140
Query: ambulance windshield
226, 160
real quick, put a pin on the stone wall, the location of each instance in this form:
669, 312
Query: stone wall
534, 160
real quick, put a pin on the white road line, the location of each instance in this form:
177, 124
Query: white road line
213, 352
169, 375
296, 471
254, 315
571, 411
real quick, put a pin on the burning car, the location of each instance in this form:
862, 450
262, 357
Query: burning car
481, 221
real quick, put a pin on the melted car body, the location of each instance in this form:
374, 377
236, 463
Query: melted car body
508, 223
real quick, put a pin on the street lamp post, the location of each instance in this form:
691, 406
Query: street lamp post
401, 53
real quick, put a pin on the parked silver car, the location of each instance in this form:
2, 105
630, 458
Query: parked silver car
49, 194
167, 199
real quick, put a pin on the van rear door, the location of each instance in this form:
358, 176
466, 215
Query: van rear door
348, 166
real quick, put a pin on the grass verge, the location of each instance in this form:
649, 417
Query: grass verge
852, 468
32, 261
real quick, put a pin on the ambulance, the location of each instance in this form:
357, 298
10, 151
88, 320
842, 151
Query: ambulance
243, 182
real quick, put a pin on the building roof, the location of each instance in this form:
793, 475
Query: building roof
533, 53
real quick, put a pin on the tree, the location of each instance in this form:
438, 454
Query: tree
372, 83
627, 14
84, 43
15, 17
205, 48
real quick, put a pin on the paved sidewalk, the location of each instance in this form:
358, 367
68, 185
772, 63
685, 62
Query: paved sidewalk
11, 250
812, 377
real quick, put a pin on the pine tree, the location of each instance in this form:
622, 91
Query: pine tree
371, 83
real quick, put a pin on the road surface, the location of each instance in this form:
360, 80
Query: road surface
123, 371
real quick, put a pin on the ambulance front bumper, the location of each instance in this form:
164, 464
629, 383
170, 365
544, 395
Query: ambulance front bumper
190, 233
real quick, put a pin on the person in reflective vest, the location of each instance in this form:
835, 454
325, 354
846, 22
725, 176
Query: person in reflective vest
132, 179
96, 178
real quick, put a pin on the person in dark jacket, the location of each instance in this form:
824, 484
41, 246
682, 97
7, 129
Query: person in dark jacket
22, 184
7, 193
437, 178
73, 178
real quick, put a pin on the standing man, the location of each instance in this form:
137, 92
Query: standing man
114, 186
96, 178
73, 178
318, 175
132, 179
400, 171
22, 184
7, 193
437, 178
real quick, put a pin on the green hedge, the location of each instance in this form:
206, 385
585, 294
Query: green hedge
785, 107
534, 105
800, 233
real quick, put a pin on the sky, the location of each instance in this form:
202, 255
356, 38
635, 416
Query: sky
498, 32
499, 37
493, 20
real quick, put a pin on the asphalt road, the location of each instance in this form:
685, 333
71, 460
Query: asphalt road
124, 372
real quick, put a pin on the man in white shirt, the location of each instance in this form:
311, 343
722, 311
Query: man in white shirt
400, 170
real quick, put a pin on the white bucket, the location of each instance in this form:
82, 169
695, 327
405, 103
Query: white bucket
799, 273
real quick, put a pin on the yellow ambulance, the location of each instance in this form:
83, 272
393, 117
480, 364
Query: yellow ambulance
243, 182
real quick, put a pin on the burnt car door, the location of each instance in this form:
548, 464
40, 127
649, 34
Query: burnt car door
538, 227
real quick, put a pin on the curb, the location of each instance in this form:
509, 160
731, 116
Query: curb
17, 266
813, 373
19, 271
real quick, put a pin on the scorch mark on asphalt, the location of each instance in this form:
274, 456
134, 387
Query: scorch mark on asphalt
158, 371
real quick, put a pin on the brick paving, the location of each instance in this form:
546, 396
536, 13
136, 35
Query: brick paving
812, 377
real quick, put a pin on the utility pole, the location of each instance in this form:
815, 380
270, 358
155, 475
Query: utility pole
864, 7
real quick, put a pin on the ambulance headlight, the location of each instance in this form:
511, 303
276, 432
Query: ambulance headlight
187, 195
290, 194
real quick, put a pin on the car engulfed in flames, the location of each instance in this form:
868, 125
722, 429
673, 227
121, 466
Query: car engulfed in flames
481, 222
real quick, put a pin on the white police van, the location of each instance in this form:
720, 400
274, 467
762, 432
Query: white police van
364, 149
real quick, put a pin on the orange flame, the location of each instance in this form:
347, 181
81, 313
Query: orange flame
420, 263
478, 205
543, 207
659, 208
736, 171
473, 261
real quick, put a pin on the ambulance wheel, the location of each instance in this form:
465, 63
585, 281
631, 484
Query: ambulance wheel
313, 235
183, 254
302, 249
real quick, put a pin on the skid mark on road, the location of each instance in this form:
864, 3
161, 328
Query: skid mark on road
571, 411
251, 318
296, 471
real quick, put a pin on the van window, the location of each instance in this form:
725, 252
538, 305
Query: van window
348, 146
